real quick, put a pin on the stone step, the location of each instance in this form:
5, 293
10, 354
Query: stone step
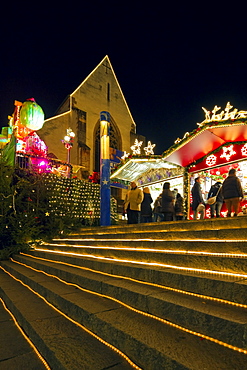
185, 244
224, 233
198, 313
207, 224
227, 286
58, 339
150, 343
212, 255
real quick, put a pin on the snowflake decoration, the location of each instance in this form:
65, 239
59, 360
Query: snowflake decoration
228, 152
211, 160
244, 150
126, 155
149, 149
136, 148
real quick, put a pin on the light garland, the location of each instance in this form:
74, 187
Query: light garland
77, 198
156, 264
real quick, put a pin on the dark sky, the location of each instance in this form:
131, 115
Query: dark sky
169, 60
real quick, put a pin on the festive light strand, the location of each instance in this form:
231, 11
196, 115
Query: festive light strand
219, 342
181, 268
167, 251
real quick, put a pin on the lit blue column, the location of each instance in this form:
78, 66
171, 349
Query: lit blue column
105, 191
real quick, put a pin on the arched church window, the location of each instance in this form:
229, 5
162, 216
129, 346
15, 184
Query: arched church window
115, 141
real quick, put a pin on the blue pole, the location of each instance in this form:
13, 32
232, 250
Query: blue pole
105, 191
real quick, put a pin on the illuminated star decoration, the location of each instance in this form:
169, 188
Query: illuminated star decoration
149, 149
228, 152
125, 155
47, 214
136, 148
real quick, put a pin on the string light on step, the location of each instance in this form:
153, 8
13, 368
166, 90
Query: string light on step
169, 323
167, 251
139, 281
153, 264
25, 336
123, 355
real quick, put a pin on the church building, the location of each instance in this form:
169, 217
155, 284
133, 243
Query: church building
80, 112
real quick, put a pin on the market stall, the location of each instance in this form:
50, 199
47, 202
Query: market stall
218, 144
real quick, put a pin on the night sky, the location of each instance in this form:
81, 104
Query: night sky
169, 60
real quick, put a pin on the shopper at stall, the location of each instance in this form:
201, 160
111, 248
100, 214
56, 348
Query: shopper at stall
179, 207
215, 194
157, 211
198, 204
167, 202
146, 209
232, 192
132, 204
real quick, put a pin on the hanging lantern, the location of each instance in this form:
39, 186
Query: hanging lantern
31, 115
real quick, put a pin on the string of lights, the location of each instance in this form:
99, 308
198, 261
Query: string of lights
156, 264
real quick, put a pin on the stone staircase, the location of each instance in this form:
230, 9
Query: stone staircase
152, 296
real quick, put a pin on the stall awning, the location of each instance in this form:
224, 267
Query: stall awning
205, 141
134, 168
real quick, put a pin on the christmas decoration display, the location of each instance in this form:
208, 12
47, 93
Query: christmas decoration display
136, 148
228, 152
31, 115
224, 115
149, 148
211, 160
125, 156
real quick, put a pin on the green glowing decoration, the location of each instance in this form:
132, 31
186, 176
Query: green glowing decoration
31, 115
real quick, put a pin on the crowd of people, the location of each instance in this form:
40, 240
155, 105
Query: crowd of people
230, 192
169, 205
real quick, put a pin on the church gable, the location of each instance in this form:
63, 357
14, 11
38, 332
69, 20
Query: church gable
102, 90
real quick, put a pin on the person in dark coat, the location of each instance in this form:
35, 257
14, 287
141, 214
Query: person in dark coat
197, 199
232, 192
157, 211
146, 209
216, 190
179, 207
167, 203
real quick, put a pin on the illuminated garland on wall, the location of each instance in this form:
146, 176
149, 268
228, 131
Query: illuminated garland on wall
76, 198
